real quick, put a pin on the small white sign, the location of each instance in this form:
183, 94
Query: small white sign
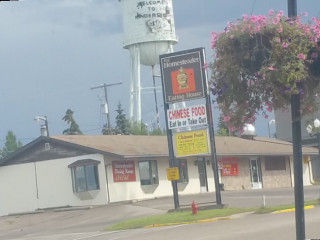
187, 117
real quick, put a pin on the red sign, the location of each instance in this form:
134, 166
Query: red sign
183, 81
123, 171
229, 166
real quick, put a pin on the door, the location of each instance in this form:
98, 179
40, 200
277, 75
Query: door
202, 174
255, 174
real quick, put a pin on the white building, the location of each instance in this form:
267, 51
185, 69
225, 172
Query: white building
80, 170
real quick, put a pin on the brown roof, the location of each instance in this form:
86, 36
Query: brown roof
145, 146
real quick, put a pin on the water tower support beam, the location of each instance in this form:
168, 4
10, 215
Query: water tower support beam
135, 89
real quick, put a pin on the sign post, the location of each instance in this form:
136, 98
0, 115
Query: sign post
184, 79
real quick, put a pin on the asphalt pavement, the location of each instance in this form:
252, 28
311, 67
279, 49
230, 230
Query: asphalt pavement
235, 199
96, 218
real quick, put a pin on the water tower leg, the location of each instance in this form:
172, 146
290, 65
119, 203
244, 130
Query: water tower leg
131, 99
135, 89
138, 90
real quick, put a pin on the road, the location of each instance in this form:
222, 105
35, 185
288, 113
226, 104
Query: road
87, 224
241, 227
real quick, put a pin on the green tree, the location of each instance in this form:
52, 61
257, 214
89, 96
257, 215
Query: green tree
10, 145
74, 127
158, 131
222, 128
137, 128
122, 123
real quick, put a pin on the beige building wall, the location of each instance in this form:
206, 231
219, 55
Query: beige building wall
242, 180
133, 190
276, 178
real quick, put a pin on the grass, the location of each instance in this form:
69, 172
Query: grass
176, 217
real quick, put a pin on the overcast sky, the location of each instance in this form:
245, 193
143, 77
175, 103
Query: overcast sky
53, 52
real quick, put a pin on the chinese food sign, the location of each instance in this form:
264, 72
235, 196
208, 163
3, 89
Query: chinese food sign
191, 142
123, 171
229, 166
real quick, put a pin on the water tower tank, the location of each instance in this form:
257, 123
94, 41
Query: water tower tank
150, 26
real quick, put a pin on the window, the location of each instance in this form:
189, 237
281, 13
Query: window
85, 175
275, 163
148, 172
183, 171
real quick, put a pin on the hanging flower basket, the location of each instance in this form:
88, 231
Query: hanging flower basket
260, 61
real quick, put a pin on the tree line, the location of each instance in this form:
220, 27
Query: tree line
124, 126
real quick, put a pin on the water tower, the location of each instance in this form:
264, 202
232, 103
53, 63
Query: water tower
149, 31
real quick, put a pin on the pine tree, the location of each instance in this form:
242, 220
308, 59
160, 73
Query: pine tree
10, 145
74, 127
121, 122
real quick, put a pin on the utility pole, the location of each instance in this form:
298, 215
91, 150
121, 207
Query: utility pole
105, 87
155, 97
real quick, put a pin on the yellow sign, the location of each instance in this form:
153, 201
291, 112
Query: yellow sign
173, 173
191, 142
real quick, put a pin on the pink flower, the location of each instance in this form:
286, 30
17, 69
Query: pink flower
309, 108
314, 55
226, 118
280, 29
231, 128
269, 108
284, 44
271, 68
301, 56
214, 38
278, 40
270, 12
266, 116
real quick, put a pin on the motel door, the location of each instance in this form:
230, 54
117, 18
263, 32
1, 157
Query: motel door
255, 174
202, 174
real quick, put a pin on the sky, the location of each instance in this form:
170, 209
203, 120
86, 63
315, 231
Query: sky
53, 52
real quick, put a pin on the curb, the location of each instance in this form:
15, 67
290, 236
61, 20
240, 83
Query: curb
25, 213
292, 209
68, 209
196, 221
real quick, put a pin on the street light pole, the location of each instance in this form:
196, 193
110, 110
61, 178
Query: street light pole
297, 148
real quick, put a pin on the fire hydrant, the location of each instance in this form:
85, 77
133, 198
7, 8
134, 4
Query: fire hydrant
194, 208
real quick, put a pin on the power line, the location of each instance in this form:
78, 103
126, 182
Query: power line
253, 6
